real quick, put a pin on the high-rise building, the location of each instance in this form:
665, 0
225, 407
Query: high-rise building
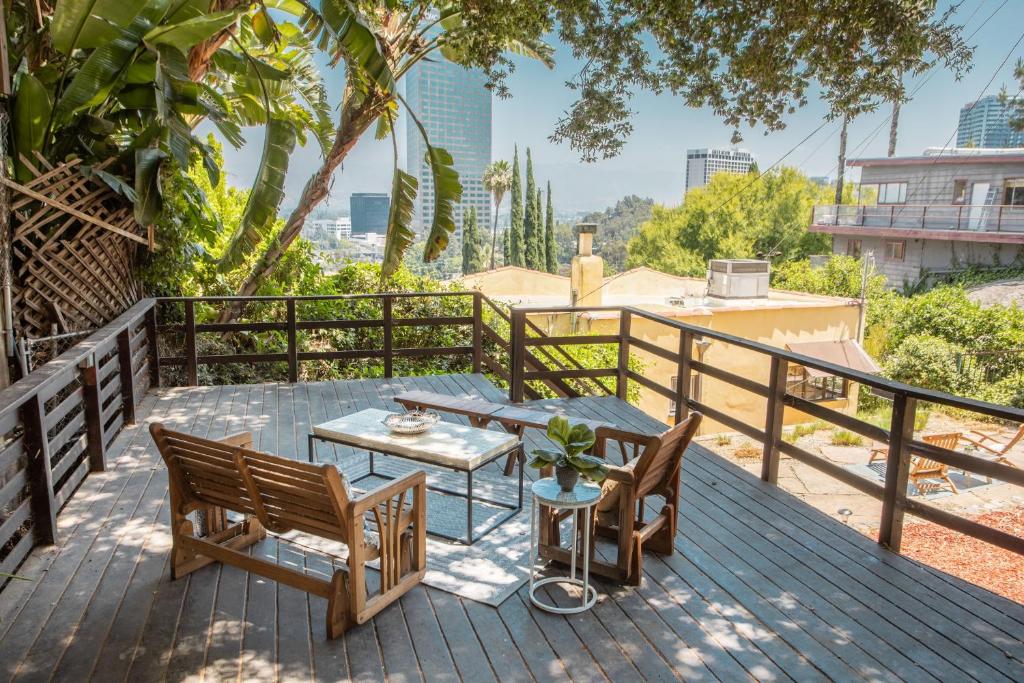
369, 211
701, 164
986, 123
455, 108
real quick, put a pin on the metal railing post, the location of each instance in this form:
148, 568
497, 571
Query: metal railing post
897, 472
622, 378
773, 420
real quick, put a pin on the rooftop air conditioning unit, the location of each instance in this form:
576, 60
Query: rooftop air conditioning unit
738, 278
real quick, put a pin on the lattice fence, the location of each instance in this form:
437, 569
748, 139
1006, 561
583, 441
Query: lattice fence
74, 244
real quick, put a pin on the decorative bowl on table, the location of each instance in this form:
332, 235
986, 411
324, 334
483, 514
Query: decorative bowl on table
411, 422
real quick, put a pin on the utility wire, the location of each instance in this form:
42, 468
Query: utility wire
865, 142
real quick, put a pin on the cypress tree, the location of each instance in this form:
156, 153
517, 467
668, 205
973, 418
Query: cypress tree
472, 257
516, 246
506, 255
550, 248
532, 226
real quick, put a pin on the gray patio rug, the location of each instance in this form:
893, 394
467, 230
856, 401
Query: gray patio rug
491, 569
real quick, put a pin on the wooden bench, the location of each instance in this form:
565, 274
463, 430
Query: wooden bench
281, 495
512, 418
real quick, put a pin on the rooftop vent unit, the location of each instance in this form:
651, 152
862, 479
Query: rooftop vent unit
738, 279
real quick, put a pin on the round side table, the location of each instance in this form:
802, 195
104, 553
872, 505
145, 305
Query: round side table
584, 496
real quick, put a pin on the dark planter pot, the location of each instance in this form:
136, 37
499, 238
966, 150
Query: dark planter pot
567, 477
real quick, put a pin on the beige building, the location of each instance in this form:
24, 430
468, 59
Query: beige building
819, 326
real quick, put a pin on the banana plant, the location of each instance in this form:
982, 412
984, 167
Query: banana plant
116, 79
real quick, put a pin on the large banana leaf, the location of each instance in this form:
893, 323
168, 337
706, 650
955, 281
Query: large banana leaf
31, 112
107, 65
148, 198
184, 34
266, 195
400, 233
447, 196
87, 24
357, 43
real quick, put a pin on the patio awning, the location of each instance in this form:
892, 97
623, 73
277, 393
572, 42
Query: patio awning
846, 352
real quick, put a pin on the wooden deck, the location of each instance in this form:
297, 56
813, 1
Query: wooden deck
762, 586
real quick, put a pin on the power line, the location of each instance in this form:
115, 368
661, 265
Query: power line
874, 133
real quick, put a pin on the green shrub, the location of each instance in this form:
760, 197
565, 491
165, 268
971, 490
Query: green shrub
925, 361
842, 437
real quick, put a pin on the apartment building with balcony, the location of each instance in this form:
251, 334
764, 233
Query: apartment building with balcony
944, 210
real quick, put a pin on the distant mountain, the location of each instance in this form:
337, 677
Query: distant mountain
615, 226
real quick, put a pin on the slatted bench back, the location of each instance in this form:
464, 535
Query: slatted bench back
296, 495
283, 494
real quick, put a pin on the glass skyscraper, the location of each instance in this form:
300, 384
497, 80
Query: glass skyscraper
986, 123
454, 106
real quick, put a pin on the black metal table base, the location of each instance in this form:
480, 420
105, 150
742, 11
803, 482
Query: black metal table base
470, 538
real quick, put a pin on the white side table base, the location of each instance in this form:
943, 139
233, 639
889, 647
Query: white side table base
581, 499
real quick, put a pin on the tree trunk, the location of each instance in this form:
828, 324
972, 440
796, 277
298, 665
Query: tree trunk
199, 55
494, 231
842, 161
356, 117
893, 125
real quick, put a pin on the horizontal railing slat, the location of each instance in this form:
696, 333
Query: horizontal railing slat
572, 340
651, 384
654, 349
843, 420
835, 471
18, 553
730, 378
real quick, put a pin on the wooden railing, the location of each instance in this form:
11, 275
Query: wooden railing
899, 436
956, 217
57, 423
292, 325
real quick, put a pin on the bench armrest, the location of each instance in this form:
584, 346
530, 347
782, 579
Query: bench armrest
366, 502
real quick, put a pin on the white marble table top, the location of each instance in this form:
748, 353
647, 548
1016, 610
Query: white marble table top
548, 491
452, 445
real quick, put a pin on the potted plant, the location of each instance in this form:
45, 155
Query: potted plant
569, 459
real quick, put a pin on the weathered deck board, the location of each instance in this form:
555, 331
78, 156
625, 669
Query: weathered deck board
762, 585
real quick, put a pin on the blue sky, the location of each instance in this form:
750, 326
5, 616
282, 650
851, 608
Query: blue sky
653, 161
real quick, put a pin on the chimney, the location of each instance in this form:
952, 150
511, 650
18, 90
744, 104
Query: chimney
587, 274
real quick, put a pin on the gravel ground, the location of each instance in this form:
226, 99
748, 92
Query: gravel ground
1001, 571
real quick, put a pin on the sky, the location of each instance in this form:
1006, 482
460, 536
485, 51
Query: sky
653, 161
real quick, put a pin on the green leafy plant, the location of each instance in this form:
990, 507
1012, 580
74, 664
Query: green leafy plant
842, 437
572, 441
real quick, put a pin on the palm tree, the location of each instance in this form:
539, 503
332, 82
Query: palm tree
497, 179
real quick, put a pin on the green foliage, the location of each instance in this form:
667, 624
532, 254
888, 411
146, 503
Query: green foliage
550, 248
571, 441
925, 361
400, 232
472, 254
497, 179
533, 233
616, 225
842, 437
733, 216
118, 83
840, 276
517, 239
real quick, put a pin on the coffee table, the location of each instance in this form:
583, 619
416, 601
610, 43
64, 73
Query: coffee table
452, 446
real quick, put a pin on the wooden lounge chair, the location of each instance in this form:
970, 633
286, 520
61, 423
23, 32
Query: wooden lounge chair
279, 494
620, 511
995, 448
922, 468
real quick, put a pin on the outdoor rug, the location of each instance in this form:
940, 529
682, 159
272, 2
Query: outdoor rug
490, 570
940, 489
